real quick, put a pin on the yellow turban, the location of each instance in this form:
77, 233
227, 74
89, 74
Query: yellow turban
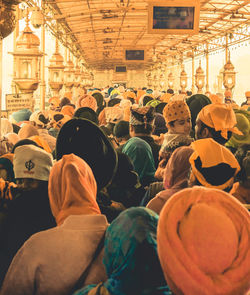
213, 164
176, 110
203, 240
221, 117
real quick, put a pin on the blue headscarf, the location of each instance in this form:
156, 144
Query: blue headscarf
140, 153
130, 256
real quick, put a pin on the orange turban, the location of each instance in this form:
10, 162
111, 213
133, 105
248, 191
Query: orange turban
176, 110
221, 117
129, 94
87, 101
55, 101
215, 98
203, 241
139, 94
247, 93
41, 142
72, 188
166, 97
8, 156
228, 94
68, 110
213, 164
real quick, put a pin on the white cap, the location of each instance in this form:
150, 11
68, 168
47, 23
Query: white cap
32, 162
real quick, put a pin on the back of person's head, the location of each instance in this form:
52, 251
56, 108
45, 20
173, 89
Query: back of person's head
86, 140
220, 121
213, 165
64, 101
31, 162
72, 188
121, 129
25, 141
86, 113
27, 130
21, 115
203, 234
243, 157
142, 119
39, 118
171, 91
159, 125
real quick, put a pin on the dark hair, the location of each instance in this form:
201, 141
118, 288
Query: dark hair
241, 155
216, 135
121, 129
86, 113
143, 129
189, 93
171, 91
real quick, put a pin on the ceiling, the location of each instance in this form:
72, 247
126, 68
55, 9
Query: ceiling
99, 30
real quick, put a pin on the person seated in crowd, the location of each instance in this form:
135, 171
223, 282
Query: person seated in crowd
86, 113
246, 104
130, 257
52, 261
6, 167
216, 121
212, 165
141, 126
25, 207
176, 175
228, 97
54, 104
241, 188
140, 153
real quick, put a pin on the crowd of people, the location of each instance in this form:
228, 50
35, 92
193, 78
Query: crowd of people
126, 192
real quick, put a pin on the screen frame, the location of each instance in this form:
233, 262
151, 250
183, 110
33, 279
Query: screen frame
134, 61
174, 3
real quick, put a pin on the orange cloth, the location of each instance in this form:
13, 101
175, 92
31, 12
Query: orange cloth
166, 97
87, 101
68, 95
68, 110
139, 94
212, 154
221, 117
27, 130
215, 98
8, 156
55, 101
129, 94
41, 142
72, 188
102, 118
203, 241
247, 93
176, 110
228, 94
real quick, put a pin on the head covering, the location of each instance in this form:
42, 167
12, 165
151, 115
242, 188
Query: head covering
153, 103
99, 99
141, 115
32, 162
68, 95
212, 164
112, 102
176, 110
21, 115
121, 129
228, 94
159, 108
87, 101
68, 110
220, 117
113, 114
86, 113
243, 124
58, 120
141, 155
125, 103
130, 256
54, 102
159, 124
27, 130
13, 138
203, 239
6, 162
64, 101
6, 126
247, 94
177, 169
41, 142
40, 118
139, 94
195, 103
166, 97
72, 188
86, 140
215, 98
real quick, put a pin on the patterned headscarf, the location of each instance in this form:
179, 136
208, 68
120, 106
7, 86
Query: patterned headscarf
141, 115
130, 256
176, 110
87, 101
203, 239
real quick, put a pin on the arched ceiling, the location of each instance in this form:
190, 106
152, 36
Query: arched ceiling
100, 30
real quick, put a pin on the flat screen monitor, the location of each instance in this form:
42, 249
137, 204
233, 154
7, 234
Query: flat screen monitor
173, 17
120, 69
134, 55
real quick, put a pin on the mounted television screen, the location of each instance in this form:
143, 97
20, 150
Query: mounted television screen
173, 17
120, 69
134, 55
